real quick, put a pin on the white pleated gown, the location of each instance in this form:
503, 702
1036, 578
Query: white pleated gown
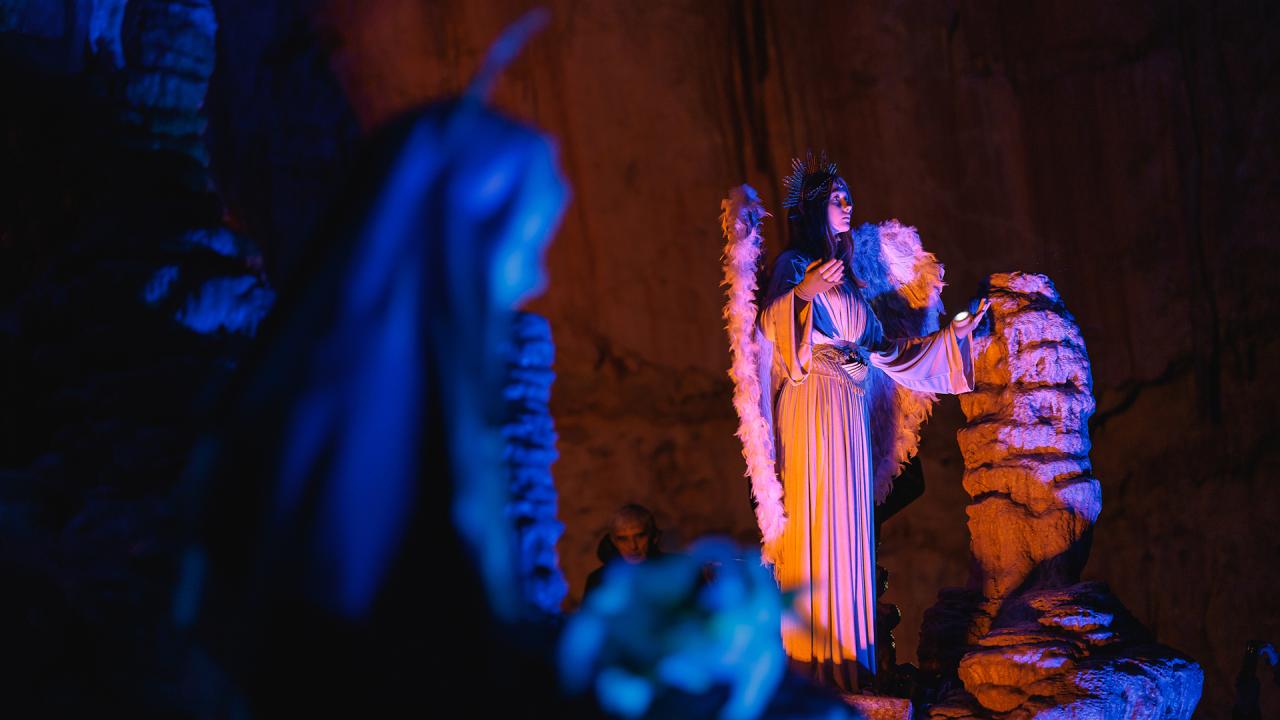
823, 446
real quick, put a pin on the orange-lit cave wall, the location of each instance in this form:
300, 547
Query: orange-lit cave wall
1127, 151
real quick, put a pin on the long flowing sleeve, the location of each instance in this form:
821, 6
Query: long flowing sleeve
936, 363
787, 321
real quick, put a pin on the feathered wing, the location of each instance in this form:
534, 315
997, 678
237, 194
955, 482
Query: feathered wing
751, 354
904, 289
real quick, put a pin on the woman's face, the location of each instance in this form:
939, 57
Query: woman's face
839, 209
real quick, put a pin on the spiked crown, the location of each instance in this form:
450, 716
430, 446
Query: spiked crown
810, 178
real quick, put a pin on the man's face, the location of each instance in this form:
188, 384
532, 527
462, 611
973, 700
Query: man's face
632, 539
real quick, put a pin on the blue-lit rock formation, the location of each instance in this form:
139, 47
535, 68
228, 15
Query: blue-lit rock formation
138, 295
168, 55
127, 304
531, 449
1028, 639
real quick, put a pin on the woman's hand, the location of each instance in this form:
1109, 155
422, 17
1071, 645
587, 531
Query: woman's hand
819, 278
965, 325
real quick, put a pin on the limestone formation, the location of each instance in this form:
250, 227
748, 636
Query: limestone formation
126, 330
1076, 652
168, 59
879, 707
1031, 640
1026, 447
531, 449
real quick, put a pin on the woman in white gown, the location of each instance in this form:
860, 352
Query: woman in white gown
825, 339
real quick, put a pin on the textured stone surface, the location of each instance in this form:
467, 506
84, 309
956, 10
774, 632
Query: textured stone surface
1041, 486
1125, 149
1035, 642
1120, 148
1027, 443
127, 305
950, 626
872, 707
530, 437
956, 706
1075, 652
168, 51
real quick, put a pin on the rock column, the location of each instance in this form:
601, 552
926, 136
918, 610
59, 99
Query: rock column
1026, 446
531, 449
1028, 639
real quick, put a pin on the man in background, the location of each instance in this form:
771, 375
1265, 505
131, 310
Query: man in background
633, 537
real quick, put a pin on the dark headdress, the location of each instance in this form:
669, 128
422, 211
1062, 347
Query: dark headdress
811, 178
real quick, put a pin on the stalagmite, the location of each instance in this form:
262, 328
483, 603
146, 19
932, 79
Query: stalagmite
1028, 639
1026, 446
530, 437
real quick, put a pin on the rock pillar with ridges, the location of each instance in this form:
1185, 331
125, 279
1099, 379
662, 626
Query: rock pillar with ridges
531, 449
169, 57
1027, 638
1026, 445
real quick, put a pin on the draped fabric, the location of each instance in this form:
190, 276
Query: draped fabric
823, 354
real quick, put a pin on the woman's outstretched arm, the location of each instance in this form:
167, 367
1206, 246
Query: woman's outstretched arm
938, 363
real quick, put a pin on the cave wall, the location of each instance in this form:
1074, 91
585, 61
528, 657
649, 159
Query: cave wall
1126, 150
1123, 150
